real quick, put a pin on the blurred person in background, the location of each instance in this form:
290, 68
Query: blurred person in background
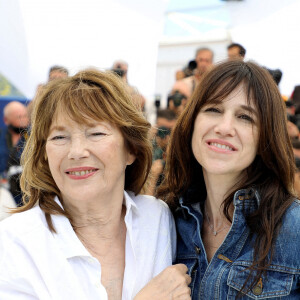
276, 74
204, 61
290, 111
12, 144
295, 103
236, 51
57, 72
297, 177
187, 71
293, 130
179, 74
177, 102
166, 120
120, 67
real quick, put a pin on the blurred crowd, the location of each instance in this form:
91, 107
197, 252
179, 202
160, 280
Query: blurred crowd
17, 120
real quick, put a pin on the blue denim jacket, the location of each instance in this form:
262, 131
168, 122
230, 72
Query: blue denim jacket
226, 273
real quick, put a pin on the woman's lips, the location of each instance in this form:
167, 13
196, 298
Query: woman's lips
81, 173
221, 146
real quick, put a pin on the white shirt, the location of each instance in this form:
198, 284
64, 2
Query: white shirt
38, 264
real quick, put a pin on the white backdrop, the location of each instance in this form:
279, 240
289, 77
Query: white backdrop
35, 34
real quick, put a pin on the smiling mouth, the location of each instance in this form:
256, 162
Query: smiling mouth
221, 146
81, 173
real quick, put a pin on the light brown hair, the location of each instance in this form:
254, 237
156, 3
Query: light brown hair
272, 171
90, 94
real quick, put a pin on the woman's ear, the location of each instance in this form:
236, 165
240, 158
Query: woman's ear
130, 158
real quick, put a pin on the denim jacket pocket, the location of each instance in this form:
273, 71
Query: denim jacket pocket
192, 265
274, 285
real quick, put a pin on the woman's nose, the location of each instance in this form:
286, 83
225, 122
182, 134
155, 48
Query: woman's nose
225, 126
78, 148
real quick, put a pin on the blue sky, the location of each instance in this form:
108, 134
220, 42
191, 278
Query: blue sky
189, 17
190, 4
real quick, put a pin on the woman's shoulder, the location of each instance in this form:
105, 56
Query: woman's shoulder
292, 215
151, 209
286, 254
147, 202
290, 226
20, 224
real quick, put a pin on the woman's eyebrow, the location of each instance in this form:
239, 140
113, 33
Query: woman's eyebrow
249, 109
57, 128
213, 101
101, 123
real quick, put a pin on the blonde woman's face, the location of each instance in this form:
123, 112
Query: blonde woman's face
86, 161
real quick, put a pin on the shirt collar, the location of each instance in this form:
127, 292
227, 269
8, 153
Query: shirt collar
129, 203
67, 239
65, 236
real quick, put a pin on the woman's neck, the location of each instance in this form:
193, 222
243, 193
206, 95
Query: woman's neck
217, 188
99, 232
100, 218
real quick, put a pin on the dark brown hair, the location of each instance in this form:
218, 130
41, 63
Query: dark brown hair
89, 94
272, 171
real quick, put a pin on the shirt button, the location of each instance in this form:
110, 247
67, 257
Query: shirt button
197, 249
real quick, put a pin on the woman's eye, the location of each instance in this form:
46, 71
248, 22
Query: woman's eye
212, 109
97, 134
58, 137
246, 118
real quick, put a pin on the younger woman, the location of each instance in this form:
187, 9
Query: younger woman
230, 171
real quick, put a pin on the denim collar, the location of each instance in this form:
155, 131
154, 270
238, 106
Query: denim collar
242, 198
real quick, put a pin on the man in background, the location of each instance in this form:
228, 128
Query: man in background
236, 51
204, 61
56, 72
165, 122
120, 67
12, 143
16, 120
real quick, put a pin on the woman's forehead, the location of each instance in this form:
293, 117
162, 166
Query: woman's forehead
77, 115
223, 94
67, 118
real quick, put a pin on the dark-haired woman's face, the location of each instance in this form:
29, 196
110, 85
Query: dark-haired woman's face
225, 136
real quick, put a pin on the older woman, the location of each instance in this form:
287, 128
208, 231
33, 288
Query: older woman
230, 170
83, 232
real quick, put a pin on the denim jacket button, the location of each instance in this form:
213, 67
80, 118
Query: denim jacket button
257, 290
241, 197
197, 249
